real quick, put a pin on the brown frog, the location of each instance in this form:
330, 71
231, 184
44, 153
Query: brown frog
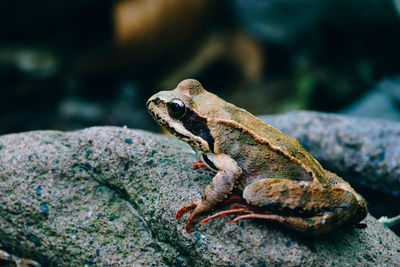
270, 174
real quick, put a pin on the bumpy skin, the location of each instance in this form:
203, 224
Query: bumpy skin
278, 179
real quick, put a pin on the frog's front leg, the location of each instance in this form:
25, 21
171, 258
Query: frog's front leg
215, 193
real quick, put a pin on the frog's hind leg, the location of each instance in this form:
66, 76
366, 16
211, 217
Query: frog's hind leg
316, 225
303, 206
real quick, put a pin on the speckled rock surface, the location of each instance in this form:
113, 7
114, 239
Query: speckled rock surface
364, 151
108, 195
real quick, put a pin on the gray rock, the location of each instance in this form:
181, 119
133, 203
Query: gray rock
109, 196
383, 102
391, 87
375, 104
364, 151
396, 4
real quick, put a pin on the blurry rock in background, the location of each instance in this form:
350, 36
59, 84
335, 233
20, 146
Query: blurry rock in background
383, 102
396, 4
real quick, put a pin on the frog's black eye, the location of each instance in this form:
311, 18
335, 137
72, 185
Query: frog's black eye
177, 108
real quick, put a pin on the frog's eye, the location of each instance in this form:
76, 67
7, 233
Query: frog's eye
176, 108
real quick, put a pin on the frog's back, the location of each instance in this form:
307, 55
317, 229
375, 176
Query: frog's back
262, 144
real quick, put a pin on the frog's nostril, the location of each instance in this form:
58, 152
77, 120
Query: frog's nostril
155, 101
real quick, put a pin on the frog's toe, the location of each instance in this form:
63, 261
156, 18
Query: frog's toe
190, 221
239, 210
270, 217
185, 209
200, 208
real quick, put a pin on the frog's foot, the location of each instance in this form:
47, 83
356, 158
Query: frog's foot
197, 207
200, 164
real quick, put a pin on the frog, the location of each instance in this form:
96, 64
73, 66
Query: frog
264, 173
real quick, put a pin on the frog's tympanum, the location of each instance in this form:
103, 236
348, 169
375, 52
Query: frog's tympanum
268, 173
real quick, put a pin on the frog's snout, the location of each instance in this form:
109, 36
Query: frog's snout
148, 103
154, 100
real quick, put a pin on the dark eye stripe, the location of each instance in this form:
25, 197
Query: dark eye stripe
192, 122
198, 126
209, 162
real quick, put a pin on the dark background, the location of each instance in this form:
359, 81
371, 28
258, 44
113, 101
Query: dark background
73, 64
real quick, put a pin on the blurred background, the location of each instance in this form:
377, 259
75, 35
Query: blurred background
73, 64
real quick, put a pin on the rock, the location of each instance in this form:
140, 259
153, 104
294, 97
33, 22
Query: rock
364, 151
381, 102
396, 4
392, 88
108, 196
375, 104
